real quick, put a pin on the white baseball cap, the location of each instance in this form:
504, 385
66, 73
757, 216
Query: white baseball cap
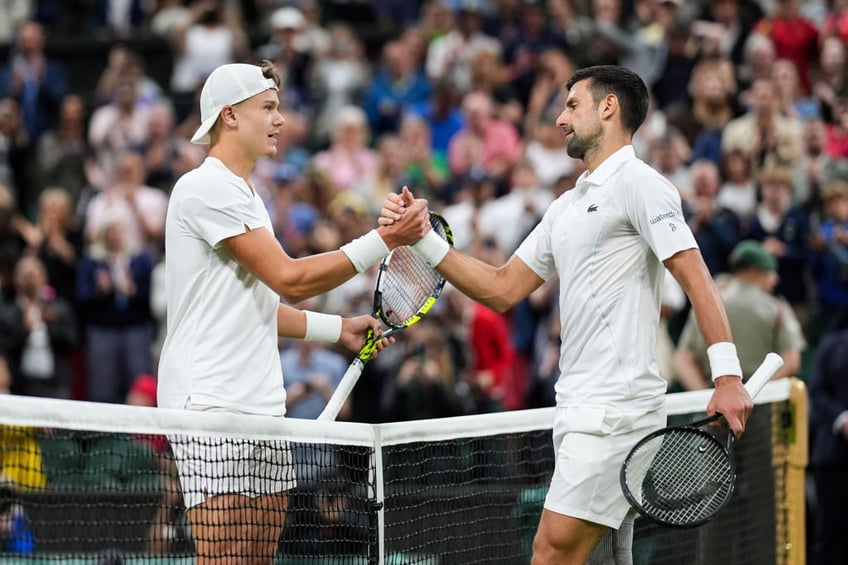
228, 85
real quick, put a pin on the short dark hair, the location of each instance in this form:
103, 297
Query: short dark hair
630, 90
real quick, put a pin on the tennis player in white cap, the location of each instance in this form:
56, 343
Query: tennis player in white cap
225, 274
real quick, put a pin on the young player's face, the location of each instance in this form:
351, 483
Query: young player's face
260, 122
580, 121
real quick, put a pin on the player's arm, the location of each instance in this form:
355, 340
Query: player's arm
258, 252
730, 397
315, 326
498, 288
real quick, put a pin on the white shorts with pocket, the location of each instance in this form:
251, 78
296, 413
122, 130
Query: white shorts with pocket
591, 443
209, 466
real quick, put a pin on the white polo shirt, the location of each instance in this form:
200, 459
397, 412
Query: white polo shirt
221, 344
606, 238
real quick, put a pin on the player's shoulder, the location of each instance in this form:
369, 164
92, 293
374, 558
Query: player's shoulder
639, 176
210, 181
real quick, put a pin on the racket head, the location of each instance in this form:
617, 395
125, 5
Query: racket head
680, 476
407, 287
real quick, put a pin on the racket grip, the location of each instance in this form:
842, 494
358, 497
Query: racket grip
342, 391
770, 365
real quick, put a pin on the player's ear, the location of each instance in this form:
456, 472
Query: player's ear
228, 115
608, 106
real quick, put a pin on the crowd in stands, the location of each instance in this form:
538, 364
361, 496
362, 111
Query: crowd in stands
749, 119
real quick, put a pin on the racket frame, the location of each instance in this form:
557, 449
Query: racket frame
695, 429
767, 369
354, 370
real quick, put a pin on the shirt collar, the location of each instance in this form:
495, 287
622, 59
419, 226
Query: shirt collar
606, 169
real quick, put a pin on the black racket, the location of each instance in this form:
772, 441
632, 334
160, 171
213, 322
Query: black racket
407, 287
682, 476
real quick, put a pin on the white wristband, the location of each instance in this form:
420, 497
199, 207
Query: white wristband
723, 360
322, 327
366, 250
432, 248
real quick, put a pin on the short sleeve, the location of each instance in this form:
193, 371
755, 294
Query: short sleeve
535, 250
654, 209
223, 212
789, 334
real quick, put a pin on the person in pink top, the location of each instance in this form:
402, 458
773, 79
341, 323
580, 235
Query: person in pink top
485, 141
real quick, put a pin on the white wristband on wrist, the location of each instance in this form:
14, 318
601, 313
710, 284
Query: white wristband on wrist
432, 248
366, 250
723, 360
322, 327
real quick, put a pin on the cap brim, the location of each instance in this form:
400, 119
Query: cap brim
201, 136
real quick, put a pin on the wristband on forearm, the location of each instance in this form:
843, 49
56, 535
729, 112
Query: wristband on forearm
322, 327
366, 250
432, 248
723, 360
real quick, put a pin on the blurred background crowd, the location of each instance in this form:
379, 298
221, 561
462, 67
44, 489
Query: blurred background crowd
456, 99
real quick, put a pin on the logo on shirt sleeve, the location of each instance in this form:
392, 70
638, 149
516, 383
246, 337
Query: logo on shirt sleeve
661, 217
592, 208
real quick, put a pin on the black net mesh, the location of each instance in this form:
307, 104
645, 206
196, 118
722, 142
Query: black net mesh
71, 496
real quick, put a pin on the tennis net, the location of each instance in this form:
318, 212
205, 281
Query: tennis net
92, 483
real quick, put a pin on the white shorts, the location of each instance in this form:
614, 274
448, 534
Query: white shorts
591, 443
210, 466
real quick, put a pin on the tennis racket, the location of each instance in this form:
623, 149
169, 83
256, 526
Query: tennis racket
682, 476
407, 287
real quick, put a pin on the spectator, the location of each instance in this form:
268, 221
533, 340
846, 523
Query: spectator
63, 154
783, 230
34, 81
288, 49
348, 160
161, 149
490, 76
794, 37
829, 257
716, 229
522, 53
830, 79
738, 192
442, 115
791, 100
57, 240
450, 55
122, 64
38, 332
426, 169
397, 85
484, 141
16, 157
16, 534
210, 39
113, 289
769, 138
139, 207
426, 382
829, 447
118, 126
11, 244
313, 371
760, 322
710, 105
338, 78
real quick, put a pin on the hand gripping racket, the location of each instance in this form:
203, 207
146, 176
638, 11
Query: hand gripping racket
407, 287
682, 476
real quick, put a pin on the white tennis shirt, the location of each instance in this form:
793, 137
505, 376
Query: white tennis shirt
221, 343
607, 238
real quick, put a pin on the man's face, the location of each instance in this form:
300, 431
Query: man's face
580, 121
259, 123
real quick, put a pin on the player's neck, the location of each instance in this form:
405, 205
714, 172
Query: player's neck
234, 158
609, 145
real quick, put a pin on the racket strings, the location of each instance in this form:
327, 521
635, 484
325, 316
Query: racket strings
680, 477
406, 284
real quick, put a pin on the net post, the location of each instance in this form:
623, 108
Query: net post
796, 437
